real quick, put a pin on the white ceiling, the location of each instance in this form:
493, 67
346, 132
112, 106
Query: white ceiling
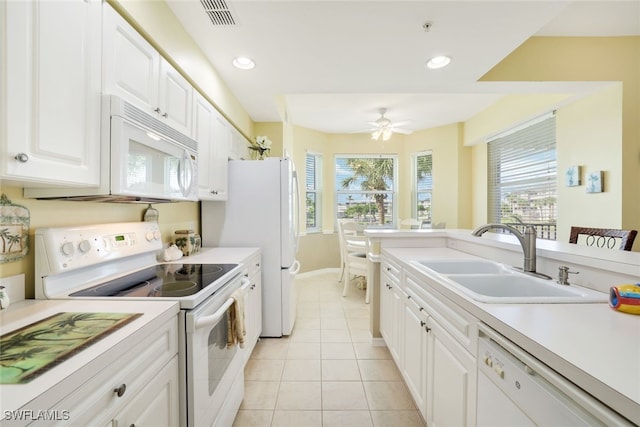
336, 63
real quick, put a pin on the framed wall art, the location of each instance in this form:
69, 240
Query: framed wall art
594, 182
572, 176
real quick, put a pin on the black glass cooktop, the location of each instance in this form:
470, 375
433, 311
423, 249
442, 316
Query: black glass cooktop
162, 280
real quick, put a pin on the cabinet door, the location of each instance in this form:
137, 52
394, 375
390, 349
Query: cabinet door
415, 353
52, 79
176, 97
451, 381
391, 317
220, 157
157, 404
131, 65
385, 309
203, 118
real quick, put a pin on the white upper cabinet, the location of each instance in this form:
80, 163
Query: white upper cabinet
50, 120
212, 132
134, 70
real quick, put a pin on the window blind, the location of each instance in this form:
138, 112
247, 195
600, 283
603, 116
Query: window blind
522, 177
423, 181
312, 184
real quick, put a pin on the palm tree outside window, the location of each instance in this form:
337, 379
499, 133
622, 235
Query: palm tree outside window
365, 189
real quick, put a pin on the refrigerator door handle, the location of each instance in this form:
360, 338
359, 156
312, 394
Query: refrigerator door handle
295, 268
296, 218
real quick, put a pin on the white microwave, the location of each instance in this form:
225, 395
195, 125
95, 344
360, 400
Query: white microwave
142, 160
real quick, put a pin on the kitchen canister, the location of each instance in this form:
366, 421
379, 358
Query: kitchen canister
188, 241
625, 298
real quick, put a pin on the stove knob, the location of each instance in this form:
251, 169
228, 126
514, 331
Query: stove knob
156, 235
67, 248
84, 246
149, 236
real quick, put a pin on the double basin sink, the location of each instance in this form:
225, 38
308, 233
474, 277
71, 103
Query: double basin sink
491, 282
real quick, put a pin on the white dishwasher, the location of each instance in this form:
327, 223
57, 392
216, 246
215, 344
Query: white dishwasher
517, 390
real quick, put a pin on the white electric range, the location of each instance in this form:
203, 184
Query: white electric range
119, 261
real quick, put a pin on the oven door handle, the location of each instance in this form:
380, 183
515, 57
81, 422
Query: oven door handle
206, 321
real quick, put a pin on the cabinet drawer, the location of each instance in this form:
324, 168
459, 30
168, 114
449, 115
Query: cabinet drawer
460, 324
134, 365
391, 269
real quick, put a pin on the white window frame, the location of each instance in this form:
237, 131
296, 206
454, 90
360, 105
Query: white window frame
393, 192
317, 191
415, 192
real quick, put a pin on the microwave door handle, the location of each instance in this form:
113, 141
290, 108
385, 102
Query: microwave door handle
185, 174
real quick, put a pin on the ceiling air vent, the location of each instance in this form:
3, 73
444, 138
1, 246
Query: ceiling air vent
219, 12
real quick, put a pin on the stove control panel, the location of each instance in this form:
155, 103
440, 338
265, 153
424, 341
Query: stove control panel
64, 249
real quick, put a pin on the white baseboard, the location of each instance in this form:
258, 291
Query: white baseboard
320, 272
378, 342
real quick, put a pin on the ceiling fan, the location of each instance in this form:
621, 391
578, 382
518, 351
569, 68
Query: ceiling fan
384, 128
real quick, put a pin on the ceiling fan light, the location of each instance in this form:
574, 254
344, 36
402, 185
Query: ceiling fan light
386, 134
376, 134
438, 62
243, 63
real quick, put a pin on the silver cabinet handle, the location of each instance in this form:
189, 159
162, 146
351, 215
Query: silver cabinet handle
158, 110
22, 157
165, 115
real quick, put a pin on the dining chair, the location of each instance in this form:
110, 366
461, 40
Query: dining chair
604, 237
354, 253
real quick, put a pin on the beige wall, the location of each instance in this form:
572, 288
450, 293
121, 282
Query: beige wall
613, 59
589, 134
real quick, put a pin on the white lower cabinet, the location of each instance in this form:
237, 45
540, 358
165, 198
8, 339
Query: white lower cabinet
416, 341
138, 387
391, 302
253, 305
451, 381
157, 404
438, 366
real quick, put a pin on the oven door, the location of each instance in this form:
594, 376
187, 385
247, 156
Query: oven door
215, 377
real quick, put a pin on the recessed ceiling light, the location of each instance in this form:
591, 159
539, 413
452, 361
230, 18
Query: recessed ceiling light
438, 62
243, 63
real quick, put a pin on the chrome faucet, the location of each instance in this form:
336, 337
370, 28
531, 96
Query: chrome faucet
527, 241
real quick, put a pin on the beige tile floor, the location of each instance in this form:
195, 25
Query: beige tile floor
326, 373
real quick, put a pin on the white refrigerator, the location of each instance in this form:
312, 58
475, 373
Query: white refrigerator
262, 210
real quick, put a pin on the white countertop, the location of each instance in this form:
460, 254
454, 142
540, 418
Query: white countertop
89, 360
592, 345
221, 255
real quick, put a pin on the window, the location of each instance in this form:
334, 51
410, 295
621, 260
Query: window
313, 195
423, 186
522, 177
365, 189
